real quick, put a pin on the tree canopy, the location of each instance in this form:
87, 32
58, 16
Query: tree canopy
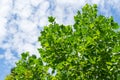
87, 50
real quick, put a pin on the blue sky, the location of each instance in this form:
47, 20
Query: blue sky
22, 20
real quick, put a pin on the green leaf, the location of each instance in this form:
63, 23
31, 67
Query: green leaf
25, 55
51, 19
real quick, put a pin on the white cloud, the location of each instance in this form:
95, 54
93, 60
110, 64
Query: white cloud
1, 56
114, 4
71, 2
10, 58
36, 2
96, 1
2, 29
5, 6
27, 26
30, 48
43, 21
4, 11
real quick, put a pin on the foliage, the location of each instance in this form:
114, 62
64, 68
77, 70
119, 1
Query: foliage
88, 50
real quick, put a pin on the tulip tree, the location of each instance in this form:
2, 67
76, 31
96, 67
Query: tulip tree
87, 50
